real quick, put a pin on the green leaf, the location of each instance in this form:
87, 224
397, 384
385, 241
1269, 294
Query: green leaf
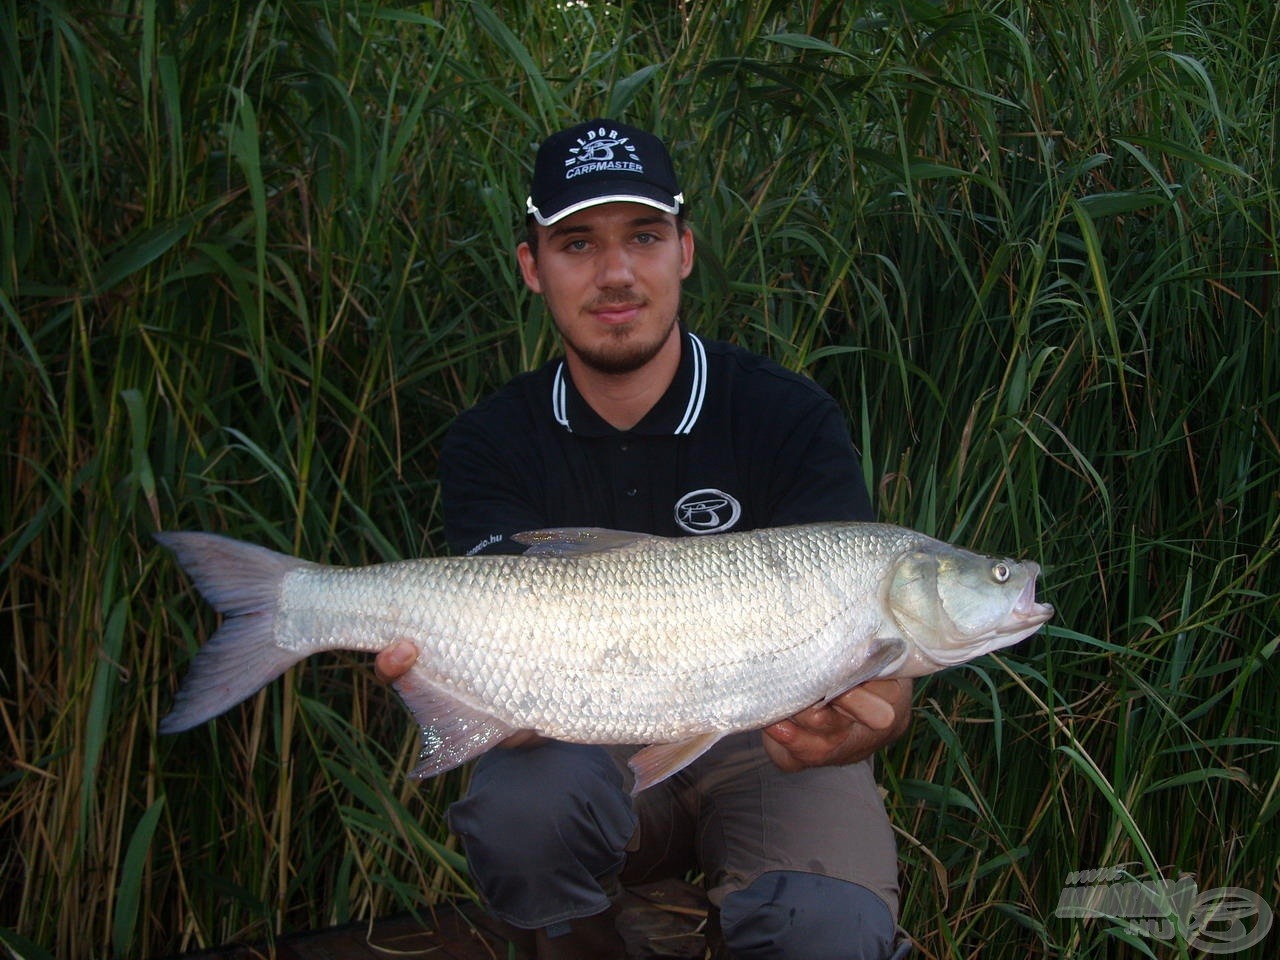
1121, 202
802, 41
140, 251
132, 872
21, 947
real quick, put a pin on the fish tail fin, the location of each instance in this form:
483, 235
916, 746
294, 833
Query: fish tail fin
242, 582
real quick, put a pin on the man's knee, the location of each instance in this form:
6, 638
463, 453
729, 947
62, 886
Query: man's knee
787, 914
540, 825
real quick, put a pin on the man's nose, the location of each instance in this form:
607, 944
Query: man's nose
615, 267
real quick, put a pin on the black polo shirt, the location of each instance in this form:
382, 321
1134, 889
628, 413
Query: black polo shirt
736, 442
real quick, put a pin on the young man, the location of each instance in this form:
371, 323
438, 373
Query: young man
644, 426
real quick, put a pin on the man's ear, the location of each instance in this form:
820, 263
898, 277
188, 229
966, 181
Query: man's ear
528, 267
686, 252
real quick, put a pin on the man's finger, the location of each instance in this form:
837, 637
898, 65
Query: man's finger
867, 705
784, 731
394, 662
822, 719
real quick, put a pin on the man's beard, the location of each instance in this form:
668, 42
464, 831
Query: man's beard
623, 352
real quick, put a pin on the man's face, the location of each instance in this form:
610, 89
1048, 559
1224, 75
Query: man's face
610, 275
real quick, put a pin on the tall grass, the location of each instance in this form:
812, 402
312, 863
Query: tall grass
255, 257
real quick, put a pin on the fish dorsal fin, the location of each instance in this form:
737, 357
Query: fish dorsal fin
579, 541
658, 761
452, 732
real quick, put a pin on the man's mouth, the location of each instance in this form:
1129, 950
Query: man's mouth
614, 313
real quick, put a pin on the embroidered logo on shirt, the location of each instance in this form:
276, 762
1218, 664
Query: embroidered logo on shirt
707, 511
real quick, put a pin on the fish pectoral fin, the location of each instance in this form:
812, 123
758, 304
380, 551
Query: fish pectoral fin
452, 732
656, 762
883, 657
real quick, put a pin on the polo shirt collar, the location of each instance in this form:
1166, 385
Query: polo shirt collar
674, 414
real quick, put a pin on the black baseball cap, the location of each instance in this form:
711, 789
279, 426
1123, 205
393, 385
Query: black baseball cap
601, 161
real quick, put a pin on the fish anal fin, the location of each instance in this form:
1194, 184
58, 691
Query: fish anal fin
453, 732
656, 762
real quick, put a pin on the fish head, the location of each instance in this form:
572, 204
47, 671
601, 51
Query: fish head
955, 605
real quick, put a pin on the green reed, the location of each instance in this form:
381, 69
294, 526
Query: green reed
255, 257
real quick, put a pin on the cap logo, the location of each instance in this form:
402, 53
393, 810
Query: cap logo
598, 152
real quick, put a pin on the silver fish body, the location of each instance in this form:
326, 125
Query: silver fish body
599, 636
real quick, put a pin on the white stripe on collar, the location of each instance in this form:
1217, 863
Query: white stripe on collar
559, 399
697, 390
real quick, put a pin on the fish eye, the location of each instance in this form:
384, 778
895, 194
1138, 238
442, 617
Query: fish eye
1001, 572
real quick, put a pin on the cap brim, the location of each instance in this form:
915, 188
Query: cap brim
621, 191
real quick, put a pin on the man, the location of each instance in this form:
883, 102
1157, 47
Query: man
643, 426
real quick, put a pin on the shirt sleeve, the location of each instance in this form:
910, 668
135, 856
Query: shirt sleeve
816, 474
488, 493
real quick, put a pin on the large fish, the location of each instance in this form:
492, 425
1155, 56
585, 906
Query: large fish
598, 636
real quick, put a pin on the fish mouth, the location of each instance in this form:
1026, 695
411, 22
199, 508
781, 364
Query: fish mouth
1027, 611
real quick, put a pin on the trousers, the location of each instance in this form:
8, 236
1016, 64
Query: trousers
798, 864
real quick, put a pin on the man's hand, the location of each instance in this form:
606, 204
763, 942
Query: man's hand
845, 729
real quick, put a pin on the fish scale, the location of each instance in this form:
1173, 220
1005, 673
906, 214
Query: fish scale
601, 636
